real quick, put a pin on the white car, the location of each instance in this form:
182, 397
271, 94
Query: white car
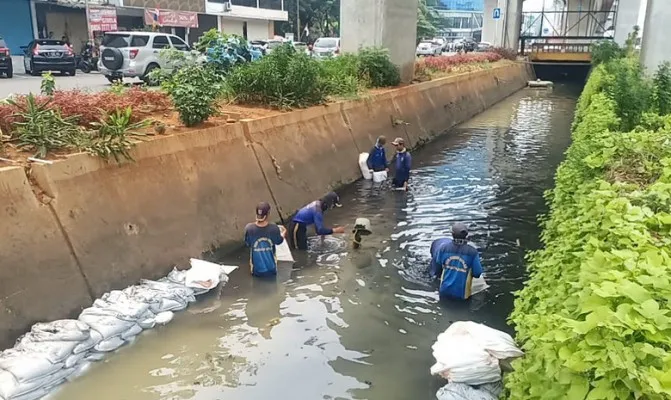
326, 47
135, 54
429, 48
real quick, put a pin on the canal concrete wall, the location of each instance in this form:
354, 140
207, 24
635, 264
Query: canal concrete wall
79, 227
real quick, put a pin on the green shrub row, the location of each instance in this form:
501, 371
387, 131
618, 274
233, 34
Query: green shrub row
594, 317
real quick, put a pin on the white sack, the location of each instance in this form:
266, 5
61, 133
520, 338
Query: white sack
79, 371
74, 360
363, 165
106, 326
11, 388
177, 276
164, 317
60, 331
94, 338
499, 344
461, 360
95, 356
147, 323
110, 344
131, 332
461, 391
379, 176
205, 275
284, 253
478, 285
27, 366
55, 352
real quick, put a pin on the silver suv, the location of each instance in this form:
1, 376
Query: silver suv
136, 54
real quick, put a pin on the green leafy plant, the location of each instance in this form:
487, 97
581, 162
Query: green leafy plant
340, 76
207, 40
194, 90
662, 89
376, 67
117, 88
41, 128
594, 318
48, 85
606, 50
625, 83
113, 135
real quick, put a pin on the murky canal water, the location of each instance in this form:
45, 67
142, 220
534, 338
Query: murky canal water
345, 324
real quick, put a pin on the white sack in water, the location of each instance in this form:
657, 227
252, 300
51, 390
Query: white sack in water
363, 165
380, 176
284, 253
478, 285
110, 344
206, 275
131, 332
74, 360
60, 331
164, 317
461, 391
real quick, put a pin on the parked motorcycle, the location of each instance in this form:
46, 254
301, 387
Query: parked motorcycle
87, 61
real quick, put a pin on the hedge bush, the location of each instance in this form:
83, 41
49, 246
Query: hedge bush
594, 317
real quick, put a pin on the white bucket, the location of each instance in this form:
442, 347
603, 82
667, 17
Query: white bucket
379, 176
363, 164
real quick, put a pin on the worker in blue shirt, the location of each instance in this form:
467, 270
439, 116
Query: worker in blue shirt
456, 263
402, 163
262, 237
377, 157
312, 214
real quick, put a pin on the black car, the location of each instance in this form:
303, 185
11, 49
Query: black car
6, 66
49, 55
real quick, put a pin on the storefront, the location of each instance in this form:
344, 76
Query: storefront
16, 24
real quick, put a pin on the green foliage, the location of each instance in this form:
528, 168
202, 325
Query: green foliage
194, 90
118, 88
427, 20
113, 134
48, 85
627, 86
178, 60
606, 50
340, 75
283, 79
40, 128
376, 67
662, 89
594, 317
207, 40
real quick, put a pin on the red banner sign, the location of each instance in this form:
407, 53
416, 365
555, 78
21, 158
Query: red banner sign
102, 19
184, 19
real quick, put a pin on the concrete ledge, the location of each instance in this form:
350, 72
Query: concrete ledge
101, 226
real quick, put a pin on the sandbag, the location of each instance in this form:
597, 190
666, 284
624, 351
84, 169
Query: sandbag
11, 388
55, 352
478, 285
60, 331
164, 317
74, 360
499, 344
27, 366
380, 176
79, 370
106, 326
148, 323
206, 275
95, 356
461, 391
94, 338
363, 165
177, 276
110, 344
131, 332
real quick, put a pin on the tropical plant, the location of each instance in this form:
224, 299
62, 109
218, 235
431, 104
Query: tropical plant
41, 128
113, 135
376, 67
606, 50
194, 90
48, 84
662, 89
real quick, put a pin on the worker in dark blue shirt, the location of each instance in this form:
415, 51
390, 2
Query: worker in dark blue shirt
377, 157
456, 263
402, 163
312, 214
262, 237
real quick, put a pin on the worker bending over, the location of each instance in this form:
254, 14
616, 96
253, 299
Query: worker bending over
456, 263
312, 214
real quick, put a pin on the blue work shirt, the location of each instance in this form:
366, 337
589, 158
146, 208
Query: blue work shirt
312, 214
403, 162
262, 241
377, 159
456, 265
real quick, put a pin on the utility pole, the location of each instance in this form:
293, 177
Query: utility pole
298, 21
88, 20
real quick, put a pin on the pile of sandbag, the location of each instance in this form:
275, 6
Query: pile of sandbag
468, 355
54, 352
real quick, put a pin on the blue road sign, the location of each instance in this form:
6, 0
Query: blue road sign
497, 13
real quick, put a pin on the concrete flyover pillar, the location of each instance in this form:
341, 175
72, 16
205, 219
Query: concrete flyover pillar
492, 28
513, 23
391, 24
627, 17
655, 46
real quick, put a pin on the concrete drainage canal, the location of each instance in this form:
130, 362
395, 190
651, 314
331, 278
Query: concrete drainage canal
345, 324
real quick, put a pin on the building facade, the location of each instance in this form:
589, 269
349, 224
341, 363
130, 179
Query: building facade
24, 20
461, 18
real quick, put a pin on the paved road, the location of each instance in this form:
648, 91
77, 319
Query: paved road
24, 84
